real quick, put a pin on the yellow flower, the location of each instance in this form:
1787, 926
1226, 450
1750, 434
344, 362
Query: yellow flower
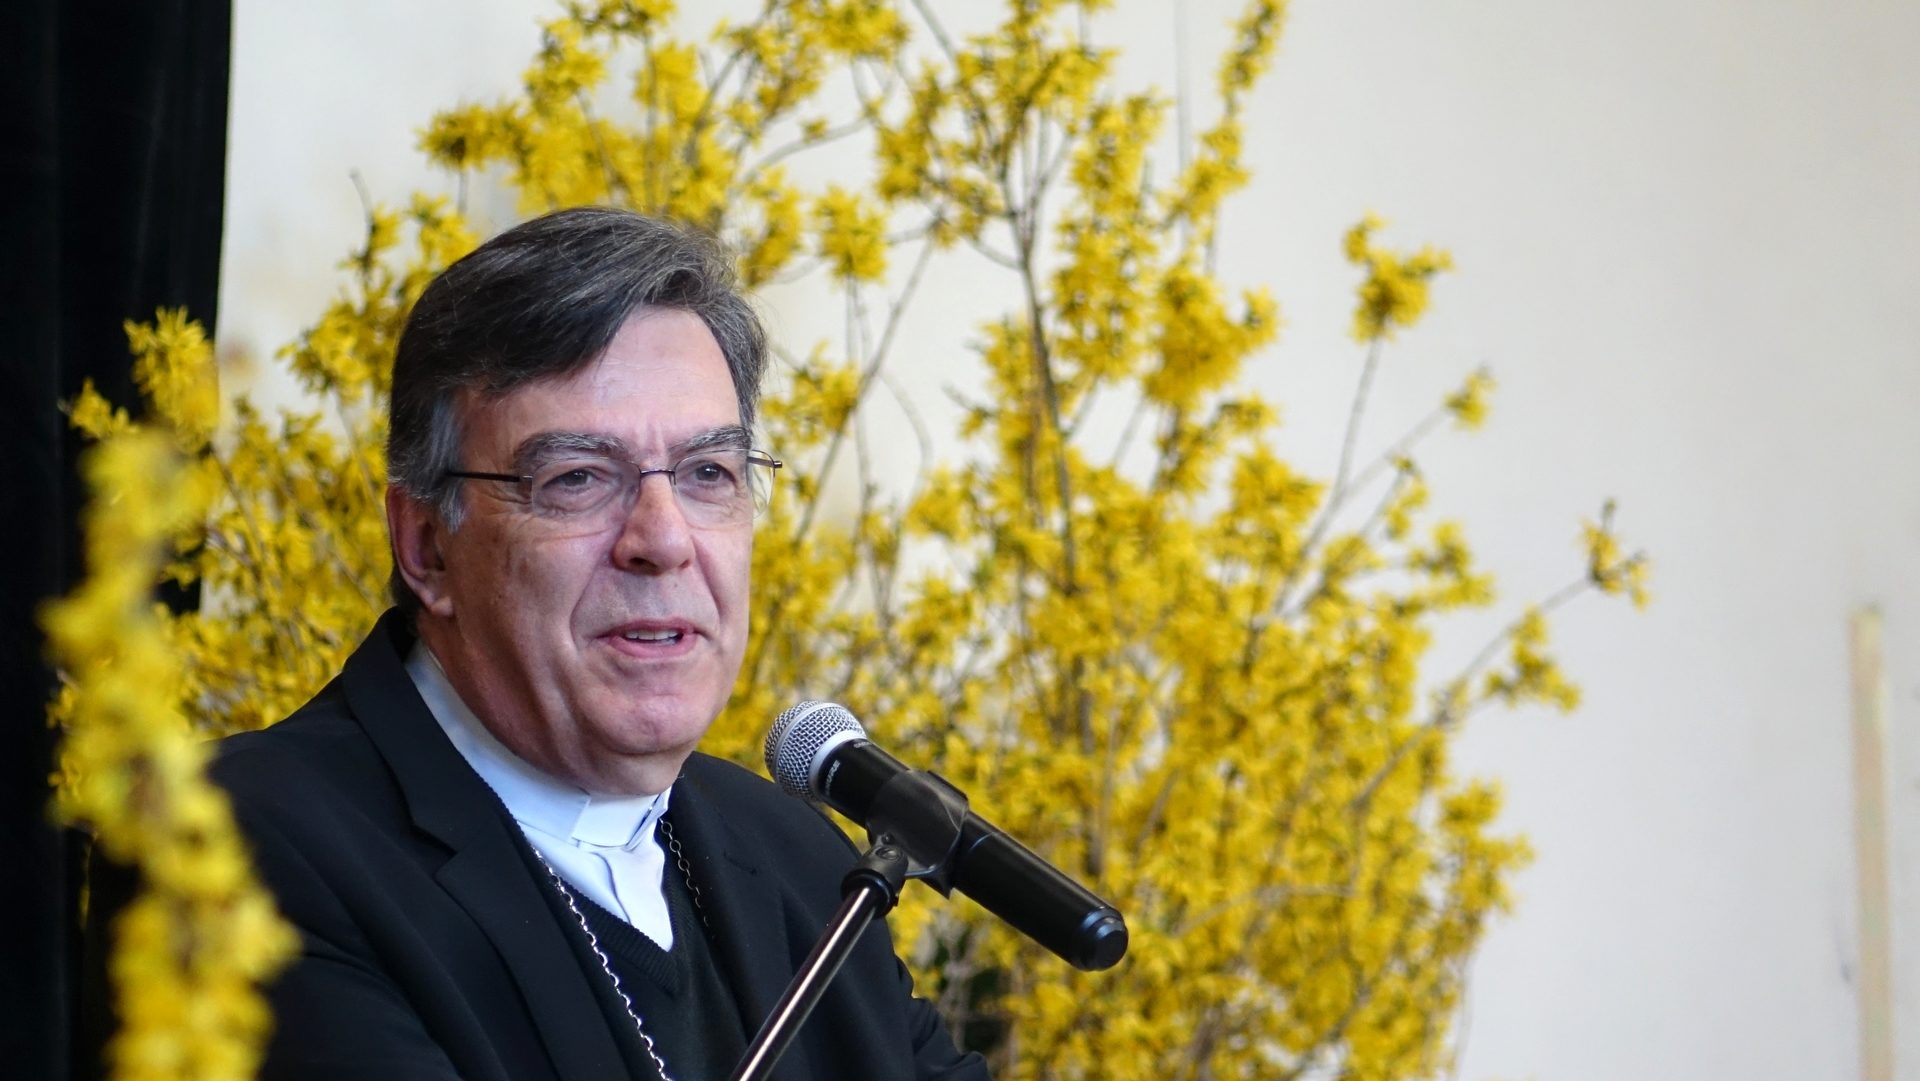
1469, 404
469, 136
1608, 568
566, 66
1393, 295
98, 418
852, 236
173, 367
186, 989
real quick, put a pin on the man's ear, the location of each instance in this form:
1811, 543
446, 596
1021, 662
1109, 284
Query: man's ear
417, 531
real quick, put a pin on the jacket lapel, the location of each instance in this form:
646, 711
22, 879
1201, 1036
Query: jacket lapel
751, 936
486, 875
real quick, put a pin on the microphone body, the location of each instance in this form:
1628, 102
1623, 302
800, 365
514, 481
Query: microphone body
817, 750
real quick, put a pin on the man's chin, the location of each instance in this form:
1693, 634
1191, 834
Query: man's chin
670, 728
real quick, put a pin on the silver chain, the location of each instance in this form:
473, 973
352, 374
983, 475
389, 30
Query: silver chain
686, 870
606, 966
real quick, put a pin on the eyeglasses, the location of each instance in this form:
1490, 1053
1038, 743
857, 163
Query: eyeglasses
713, 488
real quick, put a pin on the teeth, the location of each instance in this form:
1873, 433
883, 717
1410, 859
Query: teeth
651, 636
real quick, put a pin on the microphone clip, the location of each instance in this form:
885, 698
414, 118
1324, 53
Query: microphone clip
915, 826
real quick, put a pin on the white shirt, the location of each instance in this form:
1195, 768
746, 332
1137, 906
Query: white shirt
603, 846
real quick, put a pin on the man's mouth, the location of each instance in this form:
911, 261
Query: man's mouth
651, 636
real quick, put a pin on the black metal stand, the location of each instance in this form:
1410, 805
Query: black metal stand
869, 890
915, 828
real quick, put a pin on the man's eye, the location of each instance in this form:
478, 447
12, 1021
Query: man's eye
706, 474
574, 478
573, 486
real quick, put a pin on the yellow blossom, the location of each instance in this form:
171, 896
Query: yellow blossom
92, 414
1469, 404
193, 947
1393, 295
1608, 568
469, 137
173, 367
852, 236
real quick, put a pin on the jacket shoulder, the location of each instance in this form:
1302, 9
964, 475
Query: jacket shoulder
324, 746
786, 825
314, 767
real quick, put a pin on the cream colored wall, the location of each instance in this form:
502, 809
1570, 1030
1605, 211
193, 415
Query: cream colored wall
1687, 236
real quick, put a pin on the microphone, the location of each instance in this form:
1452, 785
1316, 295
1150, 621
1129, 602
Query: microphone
818, 751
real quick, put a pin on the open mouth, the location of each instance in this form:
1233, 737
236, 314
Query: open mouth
663, 636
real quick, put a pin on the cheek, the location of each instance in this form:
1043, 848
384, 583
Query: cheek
519, 570
731, 573
526, 580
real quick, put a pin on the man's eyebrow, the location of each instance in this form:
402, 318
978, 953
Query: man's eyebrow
728, 437
542, 447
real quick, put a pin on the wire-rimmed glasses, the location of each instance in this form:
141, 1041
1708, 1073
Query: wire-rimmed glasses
715, 488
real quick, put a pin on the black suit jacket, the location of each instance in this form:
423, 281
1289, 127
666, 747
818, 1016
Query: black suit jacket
433, 948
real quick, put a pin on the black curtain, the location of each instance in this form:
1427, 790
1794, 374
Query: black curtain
111, 181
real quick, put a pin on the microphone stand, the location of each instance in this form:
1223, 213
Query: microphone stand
915, 829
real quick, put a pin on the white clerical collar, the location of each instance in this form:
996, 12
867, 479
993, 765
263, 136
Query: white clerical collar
536, 800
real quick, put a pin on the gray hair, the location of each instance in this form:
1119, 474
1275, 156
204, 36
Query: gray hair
541, 301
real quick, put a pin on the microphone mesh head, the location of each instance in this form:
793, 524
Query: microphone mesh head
797, 737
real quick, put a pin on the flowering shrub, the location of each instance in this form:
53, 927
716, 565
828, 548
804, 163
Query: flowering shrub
1161, 655
190, 949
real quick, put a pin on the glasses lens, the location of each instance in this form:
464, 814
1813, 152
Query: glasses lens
572, 487
713, 488
760, 470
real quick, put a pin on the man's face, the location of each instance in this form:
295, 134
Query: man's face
599, 652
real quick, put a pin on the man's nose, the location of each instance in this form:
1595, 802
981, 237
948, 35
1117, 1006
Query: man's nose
655, 533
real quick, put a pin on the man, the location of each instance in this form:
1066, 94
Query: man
505, 858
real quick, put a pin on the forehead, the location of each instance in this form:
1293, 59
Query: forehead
662, 380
